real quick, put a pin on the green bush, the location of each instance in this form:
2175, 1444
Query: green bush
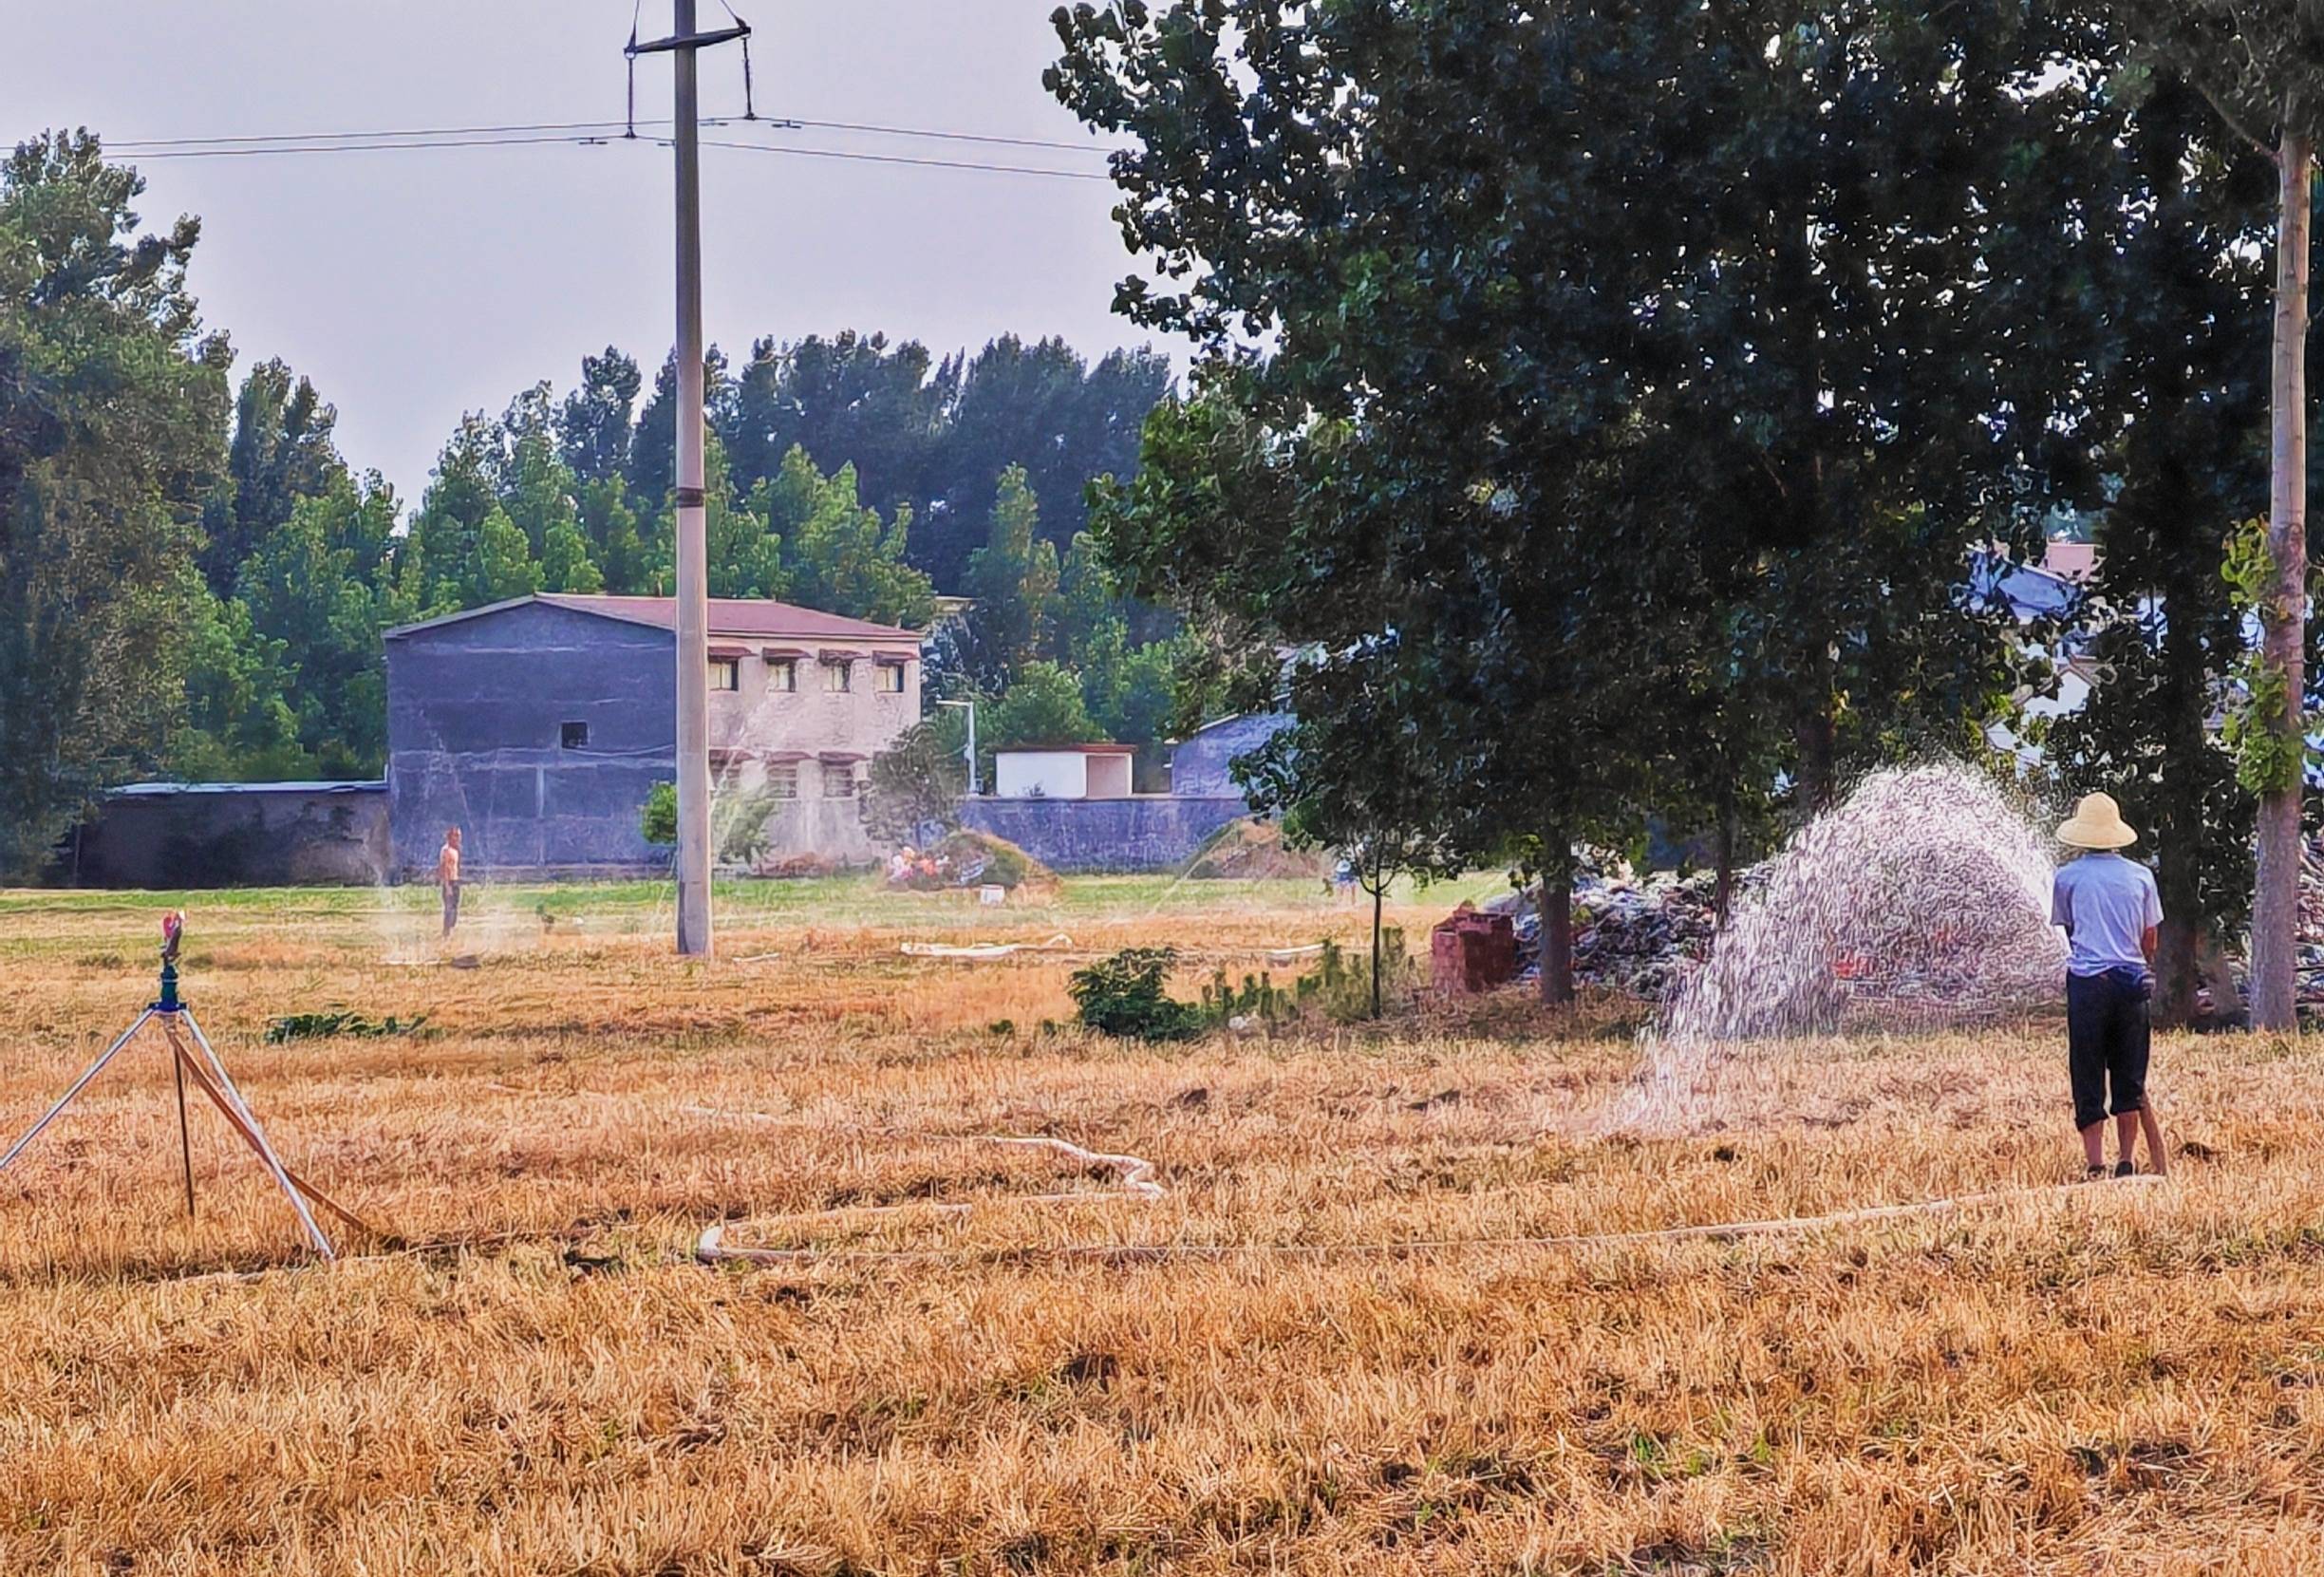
1128, 995
1340, 986
658, 822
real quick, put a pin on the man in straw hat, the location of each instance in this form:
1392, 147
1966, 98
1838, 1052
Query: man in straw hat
2110, 910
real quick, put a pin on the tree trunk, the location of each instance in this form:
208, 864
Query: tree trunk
2275, 901
1557, 983
2177, 971
1377, 886
1722, 896
1818, 757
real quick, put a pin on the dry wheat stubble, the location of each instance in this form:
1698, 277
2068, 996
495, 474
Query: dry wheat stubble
2122, 1382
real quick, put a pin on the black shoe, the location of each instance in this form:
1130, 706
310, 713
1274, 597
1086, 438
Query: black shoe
2096, 1170
2125, 1169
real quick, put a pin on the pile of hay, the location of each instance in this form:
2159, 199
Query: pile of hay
972, 859
1252, 850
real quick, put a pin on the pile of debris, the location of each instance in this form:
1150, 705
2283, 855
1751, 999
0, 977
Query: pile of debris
1632, 933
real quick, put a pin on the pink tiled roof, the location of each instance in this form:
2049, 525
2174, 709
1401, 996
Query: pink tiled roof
735, 618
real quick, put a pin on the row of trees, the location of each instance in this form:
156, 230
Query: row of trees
285, 675
928, 439
1610, 400
194, 581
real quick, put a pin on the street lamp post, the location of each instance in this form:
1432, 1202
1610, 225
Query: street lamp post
970, 752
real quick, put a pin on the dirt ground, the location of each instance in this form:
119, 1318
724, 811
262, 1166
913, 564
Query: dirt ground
1344, 1362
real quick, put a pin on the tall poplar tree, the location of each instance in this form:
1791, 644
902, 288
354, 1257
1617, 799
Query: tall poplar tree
2261, 64
1596, 302
112, 411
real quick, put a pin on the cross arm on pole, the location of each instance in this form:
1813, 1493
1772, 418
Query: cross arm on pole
691, 41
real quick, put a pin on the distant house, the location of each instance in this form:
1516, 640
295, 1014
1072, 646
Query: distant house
1064, 772
1203, 763
540, 726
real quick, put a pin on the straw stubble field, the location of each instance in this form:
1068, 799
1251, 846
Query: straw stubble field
2118, 1378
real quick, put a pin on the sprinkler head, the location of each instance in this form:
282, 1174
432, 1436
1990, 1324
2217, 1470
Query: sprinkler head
173, 931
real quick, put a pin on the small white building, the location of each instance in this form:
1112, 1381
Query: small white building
1064, 772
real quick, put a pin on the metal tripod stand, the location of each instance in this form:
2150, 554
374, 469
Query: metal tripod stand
177, 1024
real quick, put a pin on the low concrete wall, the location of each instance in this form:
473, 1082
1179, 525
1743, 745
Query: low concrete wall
1152, 831
236, 834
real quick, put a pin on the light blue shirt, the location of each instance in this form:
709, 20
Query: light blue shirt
2105, 903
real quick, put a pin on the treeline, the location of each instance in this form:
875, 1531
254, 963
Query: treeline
1643, 380
194, 582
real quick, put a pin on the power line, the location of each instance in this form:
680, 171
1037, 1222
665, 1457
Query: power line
357, 147
844, 154
905, 158
953, 136
345, 136
431, 135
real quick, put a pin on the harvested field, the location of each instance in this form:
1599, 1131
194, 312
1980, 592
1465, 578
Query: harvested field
1359, 1371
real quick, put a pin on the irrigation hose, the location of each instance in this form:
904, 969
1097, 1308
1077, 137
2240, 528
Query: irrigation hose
1134, 1177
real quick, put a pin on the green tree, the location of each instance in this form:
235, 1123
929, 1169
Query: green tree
616, 545
744, 558
918, 781
1014, 580
1356, 773
318, 589
850, 401
2261, 68
439, 561
594, 423
238, 723
838, 555
1043, 707
112, 406
653, 444
499, 565
281, 451
2180, 362
1557, 301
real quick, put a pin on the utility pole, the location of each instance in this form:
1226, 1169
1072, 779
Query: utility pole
693, 621
970, 753
693, 553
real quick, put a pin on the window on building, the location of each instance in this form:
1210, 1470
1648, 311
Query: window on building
890, 679
782, 780
838, 781
837, 675
782, 673
725, 673
573, 735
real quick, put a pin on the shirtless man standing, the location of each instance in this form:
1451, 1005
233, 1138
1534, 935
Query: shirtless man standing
448, 878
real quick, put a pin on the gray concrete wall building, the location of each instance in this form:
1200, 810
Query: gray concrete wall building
1201, 764
539, 727
235, 835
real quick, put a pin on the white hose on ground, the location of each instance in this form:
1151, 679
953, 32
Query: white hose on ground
711, 1248
1132, 1179
979, 952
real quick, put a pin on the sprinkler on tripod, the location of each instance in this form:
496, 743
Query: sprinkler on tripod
174, 1018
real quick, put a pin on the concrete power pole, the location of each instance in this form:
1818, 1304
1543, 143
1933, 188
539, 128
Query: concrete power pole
693, 558
693, 621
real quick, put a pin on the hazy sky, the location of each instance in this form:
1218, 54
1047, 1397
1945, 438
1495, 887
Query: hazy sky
415, 286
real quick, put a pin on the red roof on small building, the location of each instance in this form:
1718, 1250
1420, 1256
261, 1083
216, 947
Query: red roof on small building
748, 619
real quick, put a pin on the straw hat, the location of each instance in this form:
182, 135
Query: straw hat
2097, 823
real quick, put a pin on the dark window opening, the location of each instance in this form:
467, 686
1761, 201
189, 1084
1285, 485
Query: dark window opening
573, 735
